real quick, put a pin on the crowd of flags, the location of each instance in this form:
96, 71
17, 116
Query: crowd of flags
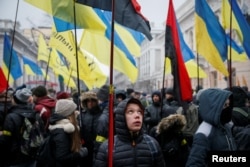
63, 53
213, 41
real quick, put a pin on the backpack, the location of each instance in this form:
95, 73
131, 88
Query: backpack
192, 119
44, 156
32, 133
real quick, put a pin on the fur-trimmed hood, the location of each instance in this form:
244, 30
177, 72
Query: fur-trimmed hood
174, 122
88, 95
64, 124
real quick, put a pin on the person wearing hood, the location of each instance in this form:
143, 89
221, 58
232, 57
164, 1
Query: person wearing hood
65, 135
155, 112
131, 146
169, 134
43, 104
120, 95
214, 133
241, 112
89, 117
10, 136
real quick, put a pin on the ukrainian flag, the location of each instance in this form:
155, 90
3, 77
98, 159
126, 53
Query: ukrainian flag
237, 52
188, 58
11, 65
238, 21
100, 47
64, 9
210, 36
31, 68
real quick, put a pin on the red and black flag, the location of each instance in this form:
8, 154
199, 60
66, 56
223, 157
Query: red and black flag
182, 84
127, 13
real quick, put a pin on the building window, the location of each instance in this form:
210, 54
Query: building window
191, 42
158, 59
214, 79
234, 79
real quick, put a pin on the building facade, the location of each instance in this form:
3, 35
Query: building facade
25, 47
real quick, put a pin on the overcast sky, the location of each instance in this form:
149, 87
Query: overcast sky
153, 10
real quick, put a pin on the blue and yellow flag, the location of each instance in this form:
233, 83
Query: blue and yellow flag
127, 14
31, 68
211, 42
11, 65
188, 58
99, 46
237, 52
238, 23
89, 68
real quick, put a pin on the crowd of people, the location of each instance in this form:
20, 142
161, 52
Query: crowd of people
150, 130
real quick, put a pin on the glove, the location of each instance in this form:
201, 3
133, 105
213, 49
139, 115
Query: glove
83, 152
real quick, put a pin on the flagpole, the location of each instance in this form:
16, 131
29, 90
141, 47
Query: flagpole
11, 50
163, 85
69, 79
230, 51
111, 92
77, 66
47, 68
198, 70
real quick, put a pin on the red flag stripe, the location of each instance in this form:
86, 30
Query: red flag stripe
182, 84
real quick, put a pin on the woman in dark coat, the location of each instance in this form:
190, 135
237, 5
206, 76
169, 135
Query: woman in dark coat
64, 131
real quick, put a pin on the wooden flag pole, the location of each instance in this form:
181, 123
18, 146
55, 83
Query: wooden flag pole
230, 51
111, 92
47, 68
11, 50
77, 66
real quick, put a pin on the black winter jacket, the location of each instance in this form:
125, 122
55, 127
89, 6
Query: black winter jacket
60, 130
10, 141
125, 154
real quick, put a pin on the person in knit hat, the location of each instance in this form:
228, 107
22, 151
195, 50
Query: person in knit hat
103, 93
22, 96
10, 144
130, 92
43, 104
63, 95
89, 117
65, 135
